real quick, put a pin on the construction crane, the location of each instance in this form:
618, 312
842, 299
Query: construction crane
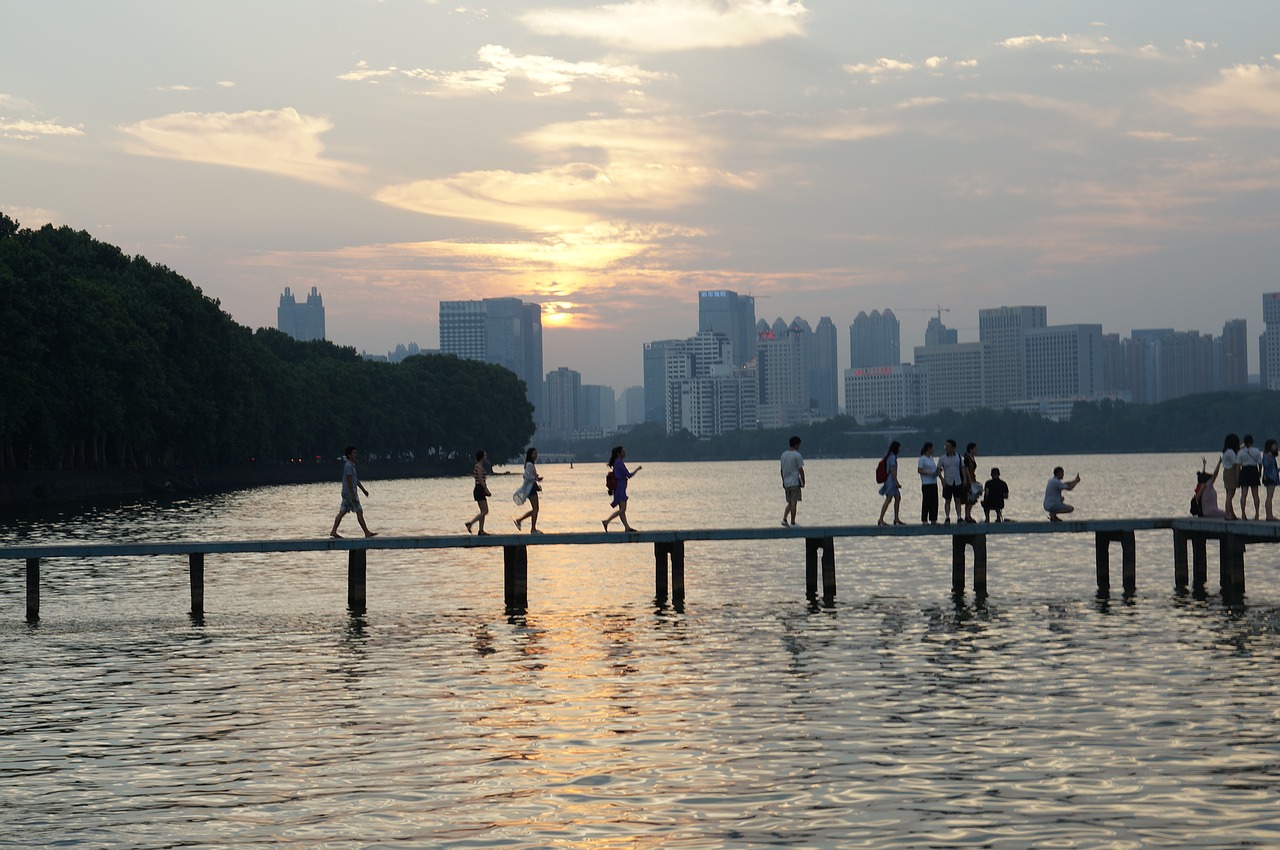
939, 309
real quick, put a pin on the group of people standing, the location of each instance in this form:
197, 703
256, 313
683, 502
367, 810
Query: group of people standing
952, 474
1244, 469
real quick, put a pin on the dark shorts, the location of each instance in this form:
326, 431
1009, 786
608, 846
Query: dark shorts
1250, 476
479, 493
955, 491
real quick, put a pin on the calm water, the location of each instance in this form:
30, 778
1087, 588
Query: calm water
897, 717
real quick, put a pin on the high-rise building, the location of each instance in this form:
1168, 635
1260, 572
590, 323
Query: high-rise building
504, 331
939, 334
783, 368
1002, 329
596, 414
706, 394
824, 370
303, 322
630, 409
874, 340
734, 315
885, 392
1269, 342
955, 375
564, 399
1063, 362
655, 378
1234, 358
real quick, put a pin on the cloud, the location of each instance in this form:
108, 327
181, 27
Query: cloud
8, 101
885, 68
281, 141
666, 25
29, 130
551, 75
1242, 96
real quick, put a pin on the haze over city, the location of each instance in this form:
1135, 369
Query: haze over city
1114, 163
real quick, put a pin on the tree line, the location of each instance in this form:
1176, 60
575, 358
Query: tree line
113, 362
1190, 424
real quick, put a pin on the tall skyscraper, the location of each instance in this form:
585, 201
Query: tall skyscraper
1064, 362
783, 369
1234, 348
725, 311
1269, 342
939, 334
1002, 329
504, 331
303, 322
874, 340
564, 399
824, 369
655, 378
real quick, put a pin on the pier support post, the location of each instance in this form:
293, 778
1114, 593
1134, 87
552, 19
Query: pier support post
1179, 560
196, 562
978, 543
356, 579
33, 589
1199, 561
1231, 557
662, 553
827, 546
515, 576
1129, 560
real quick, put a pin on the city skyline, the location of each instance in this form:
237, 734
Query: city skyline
609, 161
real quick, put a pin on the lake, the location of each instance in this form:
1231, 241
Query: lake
899, 716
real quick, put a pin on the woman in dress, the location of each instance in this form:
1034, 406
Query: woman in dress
528, 491
928, 469
891, 489
480, 492
621, 475
1270, 473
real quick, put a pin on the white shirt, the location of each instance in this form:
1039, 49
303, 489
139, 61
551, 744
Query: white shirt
950, 466
928, 469
1228, 459
1249, 456
792, 463
1053, 493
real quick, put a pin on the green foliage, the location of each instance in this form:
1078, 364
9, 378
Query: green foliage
109, 361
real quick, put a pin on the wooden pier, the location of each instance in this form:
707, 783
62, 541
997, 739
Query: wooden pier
669, 552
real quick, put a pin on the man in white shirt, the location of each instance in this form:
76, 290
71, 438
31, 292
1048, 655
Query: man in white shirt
1053, 501
953, 489
792, 479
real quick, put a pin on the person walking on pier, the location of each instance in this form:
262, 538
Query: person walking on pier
1249, 459
528, 491
891, 488
952, 481
480, 492
1053, 501
351, 498
928, 469
1270, 473
792, 479
621, 475
1230, 471
994, 494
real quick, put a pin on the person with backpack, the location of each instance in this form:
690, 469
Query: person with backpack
1206, 497
890, 488
621, 475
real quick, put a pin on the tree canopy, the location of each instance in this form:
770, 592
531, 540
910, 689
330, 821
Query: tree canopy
111, 362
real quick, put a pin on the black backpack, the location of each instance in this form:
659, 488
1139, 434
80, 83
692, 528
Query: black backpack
1196, 510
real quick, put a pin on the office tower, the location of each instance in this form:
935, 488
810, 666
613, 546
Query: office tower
1063, 362
874, 340
939, 334
303, 322
596, 413
733, 315
1141, 350
1269, 342
1184, 365
503, 331
824, 370
1234, 347
885, 392
783, 368
1115, 382
956, 375
707, 395
630, 409
1002, 329
655, 378
564, 394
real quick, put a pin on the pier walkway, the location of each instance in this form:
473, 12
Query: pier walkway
669, 552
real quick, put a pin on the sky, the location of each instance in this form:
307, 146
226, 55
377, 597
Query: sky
1115, 162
